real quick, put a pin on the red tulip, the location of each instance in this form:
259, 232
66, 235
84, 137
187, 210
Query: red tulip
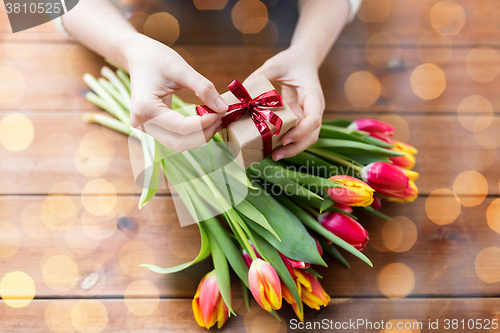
385, 178
346, 228
377, 203
410, 194
265, 285
412, 175
375, 128
345, 208
354, 193
208, 305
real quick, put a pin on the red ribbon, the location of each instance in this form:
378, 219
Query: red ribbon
253, 106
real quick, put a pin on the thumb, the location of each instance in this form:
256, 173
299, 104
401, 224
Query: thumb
204, 89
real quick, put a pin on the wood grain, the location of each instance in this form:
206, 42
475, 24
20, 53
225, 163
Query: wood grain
175, 315
441, 258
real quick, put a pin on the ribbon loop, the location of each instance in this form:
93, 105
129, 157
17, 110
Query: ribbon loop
253, 106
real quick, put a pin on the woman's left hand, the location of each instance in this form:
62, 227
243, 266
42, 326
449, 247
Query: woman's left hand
297, 72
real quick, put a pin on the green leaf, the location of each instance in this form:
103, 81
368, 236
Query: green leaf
365, 160
152, 167
334, 132
203, 254
222, 272
273, 257
244, 291
295, 243
378, 142
352, 147
314, 164
313, 272
314, 225
337, 159
232, 253
375, 212
325, 204
331, 250
255, 215
337, 122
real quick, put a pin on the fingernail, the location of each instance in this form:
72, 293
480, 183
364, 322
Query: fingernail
279, 157
221, 105
287, 141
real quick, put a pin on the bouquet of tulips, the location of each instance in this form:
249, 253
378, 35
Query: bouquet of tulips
270, 223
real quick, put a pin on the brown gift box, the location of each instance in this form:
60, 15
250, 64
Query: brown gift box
243, 132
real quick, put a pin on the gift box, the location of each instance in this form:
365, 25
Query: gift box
256, 121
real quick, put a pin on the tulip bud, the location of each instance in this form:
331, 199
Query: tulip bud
208, 305
408, 160
346, 228
412, 175
375, 128
345, 208
265, 285
311, 293
410, 194
377, 203
354, 193
287, 295
385, 178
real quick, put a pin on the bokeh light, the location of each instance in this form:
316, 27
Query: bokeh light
58, 316
433, 47
99, 227
178, 237
471, 188
396, 280
99, 197
60, 272
264, 40
374, 10
362, 89
94, 154
400, 125
447, 17
483, 16
163, 27
92, 278
483, 64
475, 113
89, 316
493, 215
12, 84
17, 289
487, 265
428, 81
399, 234
79, 241
442, 206
58, 212
16, 131
142, 298
382, 48
132, 255
10, 239
138, 19
249, 16
478, 155
210, 4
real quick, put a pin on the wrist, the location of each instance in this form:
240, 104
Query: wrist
131, 47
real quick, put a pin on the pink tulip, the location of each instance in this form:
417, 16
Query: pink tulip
375, 128
346, 228
377, 203
345, 208
385, 178
265, 285
208, 305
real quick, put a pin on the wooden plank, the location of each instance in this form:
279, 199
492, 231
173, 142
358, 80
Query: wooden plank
52, 79
175, 315
65, 148
439, 260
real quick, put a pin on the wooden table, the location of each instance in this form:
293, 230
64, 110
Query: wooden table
70, 227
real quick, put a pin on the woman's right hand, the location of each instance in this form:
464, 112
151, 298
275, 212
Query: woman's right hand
156, 72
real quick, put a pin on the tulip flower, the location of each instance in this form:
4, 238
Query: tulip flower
265, 285
354, 193
345, 228
408, 160
385, 178
412, 175
377, 203
345, 208
311, 293
208, 305
287, 295
410, 194
375, 128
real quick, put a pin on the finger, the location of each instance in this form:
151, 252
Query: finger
269, 69
204, 89
296, 147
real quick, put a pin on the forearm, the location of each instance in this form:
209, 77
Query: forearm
319, 26
100, 26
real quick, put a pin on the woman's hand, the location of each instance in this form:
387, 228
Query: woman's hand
297, 72
156, 72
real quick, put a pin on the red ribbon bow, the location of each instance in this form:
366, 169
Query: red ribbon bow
253, 106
